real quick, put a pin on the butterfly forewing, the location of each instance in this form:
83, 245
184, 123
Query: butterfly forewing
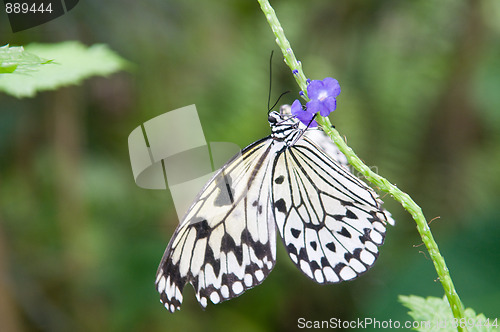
226, 243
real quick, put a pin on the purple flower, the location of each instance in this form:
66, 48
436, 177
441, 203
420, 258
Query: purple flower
304, 116
322, 96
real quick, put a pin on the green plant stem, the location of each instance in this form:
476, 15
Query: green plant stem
403, 198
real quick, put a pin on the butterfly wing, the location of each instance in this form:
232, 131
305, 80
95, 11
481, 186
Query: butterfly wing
324, 142
226, 243
330, 222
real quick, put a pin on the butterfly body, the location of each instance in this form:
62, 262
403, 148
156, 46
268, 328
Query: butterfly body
330, 222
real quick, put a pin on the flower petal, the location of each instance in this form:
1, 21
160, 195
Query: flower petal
296, 107
332, 86
329, 105
313, 106
304, 116
314, 89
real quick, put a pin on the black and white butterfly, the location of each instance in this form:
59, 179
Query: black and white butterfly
330, 222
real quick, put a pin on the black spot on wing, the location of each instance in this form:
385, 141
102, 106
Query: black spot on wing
349, 214
338, 268
228, 245
324, 262
295, 232
345, 232
331, 246
291, 249
210, 259
303, 254
261, 250
313, 244
345, 203
348, 256
357, 254
363, 239
314, 265
202, 229
259, 206
279, 179
366, 236
280, 205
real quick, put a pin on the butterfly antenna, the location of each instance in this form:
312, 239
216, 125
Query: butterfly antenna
270, 81
307, 127
314, 117
269, 109
277, 101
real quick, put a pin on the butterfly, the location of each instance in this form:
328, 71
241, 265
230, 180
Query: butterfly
294, 182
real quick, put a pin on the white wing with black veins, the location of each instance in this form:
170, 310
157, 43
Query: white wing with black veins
226, 242
331, 222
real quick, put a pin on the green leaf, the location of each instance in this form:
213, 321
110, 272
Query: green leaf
437, 311
72, 63
16, 59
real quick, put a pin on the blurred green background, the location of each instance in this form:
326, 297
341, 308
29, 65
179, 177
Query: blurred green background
80, 242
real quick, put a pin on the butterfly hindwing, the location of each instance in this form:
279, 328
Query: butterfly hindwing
226, 243
330, 222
